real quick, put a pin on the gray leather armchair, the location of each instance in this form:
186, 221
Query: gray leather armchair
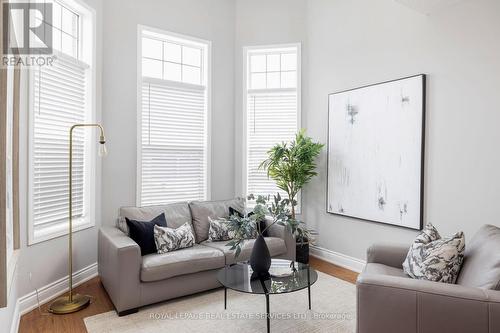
389, 301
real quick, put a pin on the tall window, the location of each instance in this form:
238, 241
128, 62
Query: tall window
272, 109
173, 118
61, 96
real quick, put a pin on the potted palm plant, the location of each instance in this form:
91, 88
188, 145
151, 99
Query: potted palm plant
292, 165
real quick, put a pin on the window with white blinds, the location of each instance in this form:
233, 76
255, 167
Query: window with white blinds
272, 109
61, 97
59, 103
173, 147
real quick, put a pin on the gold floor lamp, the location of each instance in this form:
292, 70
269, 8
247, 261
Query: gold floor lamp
72, 303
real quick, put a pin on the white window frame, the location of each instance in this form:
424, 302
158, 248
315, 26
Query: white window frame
86, 51
208, 124
246, 51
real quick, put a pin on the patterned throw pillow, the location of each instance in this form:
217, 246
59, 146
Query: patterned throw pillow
219, 230
170, 239
434, 258
121, 223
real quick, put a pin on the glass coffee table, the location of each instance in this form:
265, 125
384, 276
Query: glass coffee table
284, 276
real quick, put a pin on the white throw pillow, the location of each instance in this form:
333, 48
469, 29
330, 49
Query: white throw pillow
434, 258
170, 239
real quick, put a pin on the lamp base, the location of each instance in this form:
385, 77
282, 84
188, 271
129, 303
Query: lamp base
62, 305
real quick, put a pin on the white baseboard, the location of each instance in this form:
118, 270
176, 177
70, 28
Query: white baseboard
29, 302
339, 259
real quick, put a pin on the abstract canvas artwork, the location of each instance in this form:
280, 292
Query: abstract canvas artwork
375, 152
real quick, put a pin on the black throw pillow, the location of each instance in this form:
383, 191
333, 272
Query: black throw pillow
262, 223
142, 232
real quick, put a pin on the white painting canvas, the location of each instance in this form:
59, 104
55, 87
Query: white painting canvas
375, 152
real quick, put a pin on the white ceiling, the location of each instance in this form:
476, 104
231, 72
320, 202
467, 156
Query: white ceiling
428, 6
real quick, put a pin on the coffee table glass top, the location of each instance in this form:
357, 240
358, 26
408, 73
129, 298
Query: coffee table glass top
284, 277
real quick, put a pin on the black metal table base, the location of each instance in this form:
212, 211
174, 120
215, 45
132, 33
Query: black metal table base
268, 313
309, 287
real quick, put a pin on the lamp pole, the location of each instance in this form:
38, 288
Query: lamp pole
73, 303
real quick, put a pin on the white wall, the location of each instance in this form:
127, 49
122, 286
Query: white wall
48, 261
262, 22
352, 43
207, 19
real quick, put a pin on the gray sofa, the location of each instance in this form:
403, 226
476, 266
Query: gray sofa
391, 302
133, 281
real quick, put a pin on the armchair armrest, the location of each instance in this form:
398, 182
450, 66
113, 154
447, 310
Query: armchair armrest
284, 233
398, 304
119, 264
422, 286
388, 254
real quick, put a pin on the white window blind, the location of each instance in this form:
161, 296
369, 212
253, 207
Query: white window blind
173, 147
59, 103
61, 95
173, 158
272, 118
271, 110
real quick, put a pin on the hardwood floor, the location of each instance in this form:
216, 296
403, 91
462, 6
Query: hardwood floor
41, 321
333, 270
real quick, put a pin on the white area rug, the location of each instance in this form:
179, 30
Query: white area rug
333, 310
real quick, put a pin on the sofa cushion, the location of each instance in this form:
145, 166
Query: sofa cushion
481, 266
381, 269
176, 214
185, 261
201, 210
275, 245
142, 232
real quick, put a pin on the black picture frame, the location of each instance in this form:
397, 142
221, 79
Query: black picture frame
422, 154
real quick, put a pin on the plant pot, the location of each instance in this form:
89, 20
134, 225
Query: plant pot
260, 260
302, 251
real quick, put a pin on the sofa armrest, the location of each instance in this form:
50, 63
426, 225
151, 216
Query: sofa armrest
398, 304
284, 233
388, 254
119, 267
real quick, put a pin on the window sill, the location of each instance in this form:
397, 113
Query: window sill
47, 233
